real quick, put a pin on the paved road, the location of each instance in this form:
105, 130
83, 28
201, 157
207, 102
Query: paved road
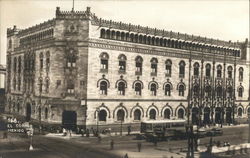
50, 147
82, 147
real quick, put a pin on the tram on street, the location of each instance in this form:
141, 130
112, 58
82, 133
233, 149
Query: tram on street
164, 129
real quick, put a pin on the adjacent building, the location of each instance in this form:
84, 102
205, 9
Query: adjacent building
78, 69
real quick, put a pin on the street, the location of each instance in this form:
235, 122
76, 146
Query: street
57, 146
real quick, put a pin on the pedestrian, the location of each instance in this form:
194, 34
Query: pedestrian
87, 132
155, 141
126, 155
139, 146
112, 144
70, 132
129, 129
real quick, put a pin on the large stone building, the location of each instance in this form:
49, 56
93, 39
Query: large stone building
80, 69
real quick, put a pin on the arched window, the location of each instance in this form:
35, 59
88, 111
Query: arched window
152, 114
138, 65
123, 36
167, 113
138, 88
153, 89
229, 92
168, 68
120, 115
47, 61
102, 115
103, 88
19, 84
182, 69
15, 64
154, 62
47, 85
219, 68
121, 88
104, 61
122, 63
41, 60
241, 74
219, 91
168, 90
40, 85
19, 64
240, 91
229, 71
208, 70
207, 91
102, 33
181, 90
70, 87
46, 113
180, 113
196, 69
137, 114
240, 111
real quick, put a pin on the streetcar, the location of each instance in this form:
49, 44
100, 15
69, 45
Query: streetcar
164, 129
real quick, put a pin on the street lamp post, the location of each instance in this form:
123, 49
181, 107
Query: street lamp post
97, 121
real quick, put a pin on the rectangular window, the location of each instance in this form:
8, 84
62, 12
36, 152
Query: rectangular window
168, 70
138, 67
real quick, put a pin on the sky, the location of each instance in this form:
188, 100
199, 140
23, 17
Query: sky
218, 19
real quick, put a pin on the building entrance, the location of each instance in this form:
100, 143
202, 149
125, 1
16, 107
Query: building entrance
69, 120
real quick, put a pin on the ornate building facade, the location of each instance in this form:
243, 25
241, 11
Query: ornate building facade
83, 70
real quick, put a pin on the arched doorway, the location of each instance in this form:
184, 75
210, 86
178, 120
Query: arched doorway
152, 114
120, 115
218, 115
195, 116
28, 112
137, 114
206, 115
69, 119
229, 115
167, 114
102, 115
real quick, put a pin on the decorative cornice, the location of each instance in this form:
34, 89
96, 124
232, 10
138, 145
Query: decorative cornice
138, 100
155, 50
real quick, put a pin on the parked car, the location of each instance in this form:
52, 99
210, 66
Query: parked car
215, 132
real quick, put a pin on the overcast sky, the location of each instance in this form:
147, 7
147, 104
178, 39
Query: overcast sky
224, 19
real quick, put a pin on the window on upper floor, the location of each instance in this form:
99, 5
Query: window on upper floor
182, 69
168, 68
219, 91
208, 70
207, 91
138, 65
121, 88
196, 69
104, 88
47, 61
181, 90
15, 65
19, 64
196, 90
219, 71
230, 92
168, 90
40, 85
153, 88
47, 85
138, 88
19, 84
241, 70
154, 62
104, 57
230, 71
70, 86
240, 91
41, 61
122, 62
